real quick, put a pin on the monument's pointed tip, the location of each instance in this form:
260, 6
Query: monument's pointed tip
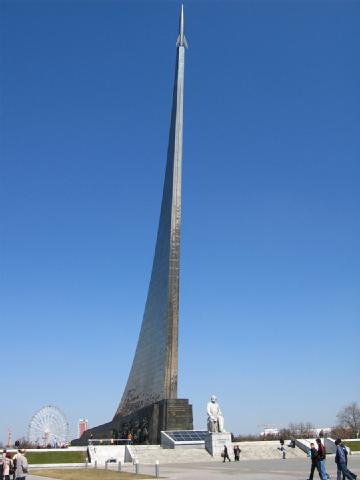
181, 42
181, 22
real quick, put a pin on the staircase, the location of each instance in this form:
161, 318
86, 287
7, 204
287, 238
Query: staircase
102, 453
148, 454
265, 450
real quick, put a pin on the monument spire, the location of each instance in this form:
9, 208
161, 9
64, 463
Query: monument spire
154, 372
149, 403
181, 41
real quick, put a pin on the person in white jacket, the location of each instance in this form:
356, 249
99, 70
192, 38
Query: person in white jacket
21, 465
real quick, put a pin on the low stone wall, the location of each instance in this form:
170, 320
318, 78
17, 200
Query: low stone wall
68, 449
268, 449
57, 465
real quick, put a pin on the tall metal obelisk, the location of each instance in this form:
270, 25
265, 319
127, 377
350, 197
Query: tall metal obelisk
154, 372
149, 403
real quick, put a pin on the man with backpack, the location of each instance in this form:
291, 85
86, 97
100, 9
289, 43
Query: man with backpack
21, 465
341, 461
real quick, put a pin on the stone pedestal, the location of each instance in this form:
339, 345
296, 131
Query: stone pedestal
214, 443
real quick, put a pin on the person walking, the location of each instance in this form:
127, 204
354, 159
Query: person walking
14, 465
237, 453
341, 462
2, 463
321, 457
282, 448
313, 453
8, 466
346, 457
226, 454
21, 465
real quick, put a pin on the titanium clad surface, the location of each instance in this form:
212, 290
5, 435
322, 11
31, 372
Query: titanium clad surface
154, 372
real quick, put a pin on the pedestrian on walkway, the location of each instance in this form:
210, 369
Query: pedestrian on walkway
341, 462
346, 456
282, 448
313, 454
237, 453
8, 466
21, 465
14, 459
226, 454
321, 457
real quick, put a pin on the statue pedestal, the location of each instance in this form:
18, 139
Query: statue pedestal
214, 443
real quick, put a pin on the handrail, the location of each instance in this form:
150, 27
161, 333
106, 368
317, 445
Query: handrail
109, 441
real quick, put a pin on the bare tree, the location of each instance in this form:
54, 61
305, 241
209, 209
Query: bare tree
301, 430
349, 418
340, 432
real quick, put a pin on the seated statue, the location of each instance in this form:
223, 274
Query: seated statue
215, 420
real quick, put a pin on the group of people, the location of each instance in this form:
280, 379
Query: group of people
225, 453
318, 456
13, 467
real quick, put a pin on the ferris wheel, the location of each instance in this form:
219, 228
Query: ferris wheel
48, 426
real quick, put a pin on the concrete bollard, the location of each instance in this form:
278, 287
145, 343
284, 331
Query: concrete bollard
106, 464
95, 464
157, 469
119, 466
136, 466
86, 463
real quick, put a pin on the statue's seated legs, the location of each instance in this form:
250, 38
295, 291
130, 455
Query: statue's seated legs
212, 426
220, 422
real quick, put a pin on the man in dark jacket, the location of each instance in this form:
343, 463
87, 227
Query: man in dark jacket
237, 453
321, 457
226, 454
313, 456
341, 461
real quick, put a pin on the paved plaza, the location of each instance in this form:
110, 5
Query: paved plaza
291, 469
295, 468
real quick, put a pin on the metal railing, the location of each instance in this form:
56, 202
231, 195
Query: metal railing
109, 441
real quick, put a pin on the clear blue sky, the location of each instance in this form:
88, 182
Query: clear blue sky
270, 266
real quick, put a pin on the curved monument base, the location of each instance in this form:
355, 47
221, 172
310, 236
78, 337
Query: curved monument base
145, 424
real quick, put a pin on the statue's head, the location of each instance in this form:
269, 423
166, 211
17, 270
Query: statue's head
213, 398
